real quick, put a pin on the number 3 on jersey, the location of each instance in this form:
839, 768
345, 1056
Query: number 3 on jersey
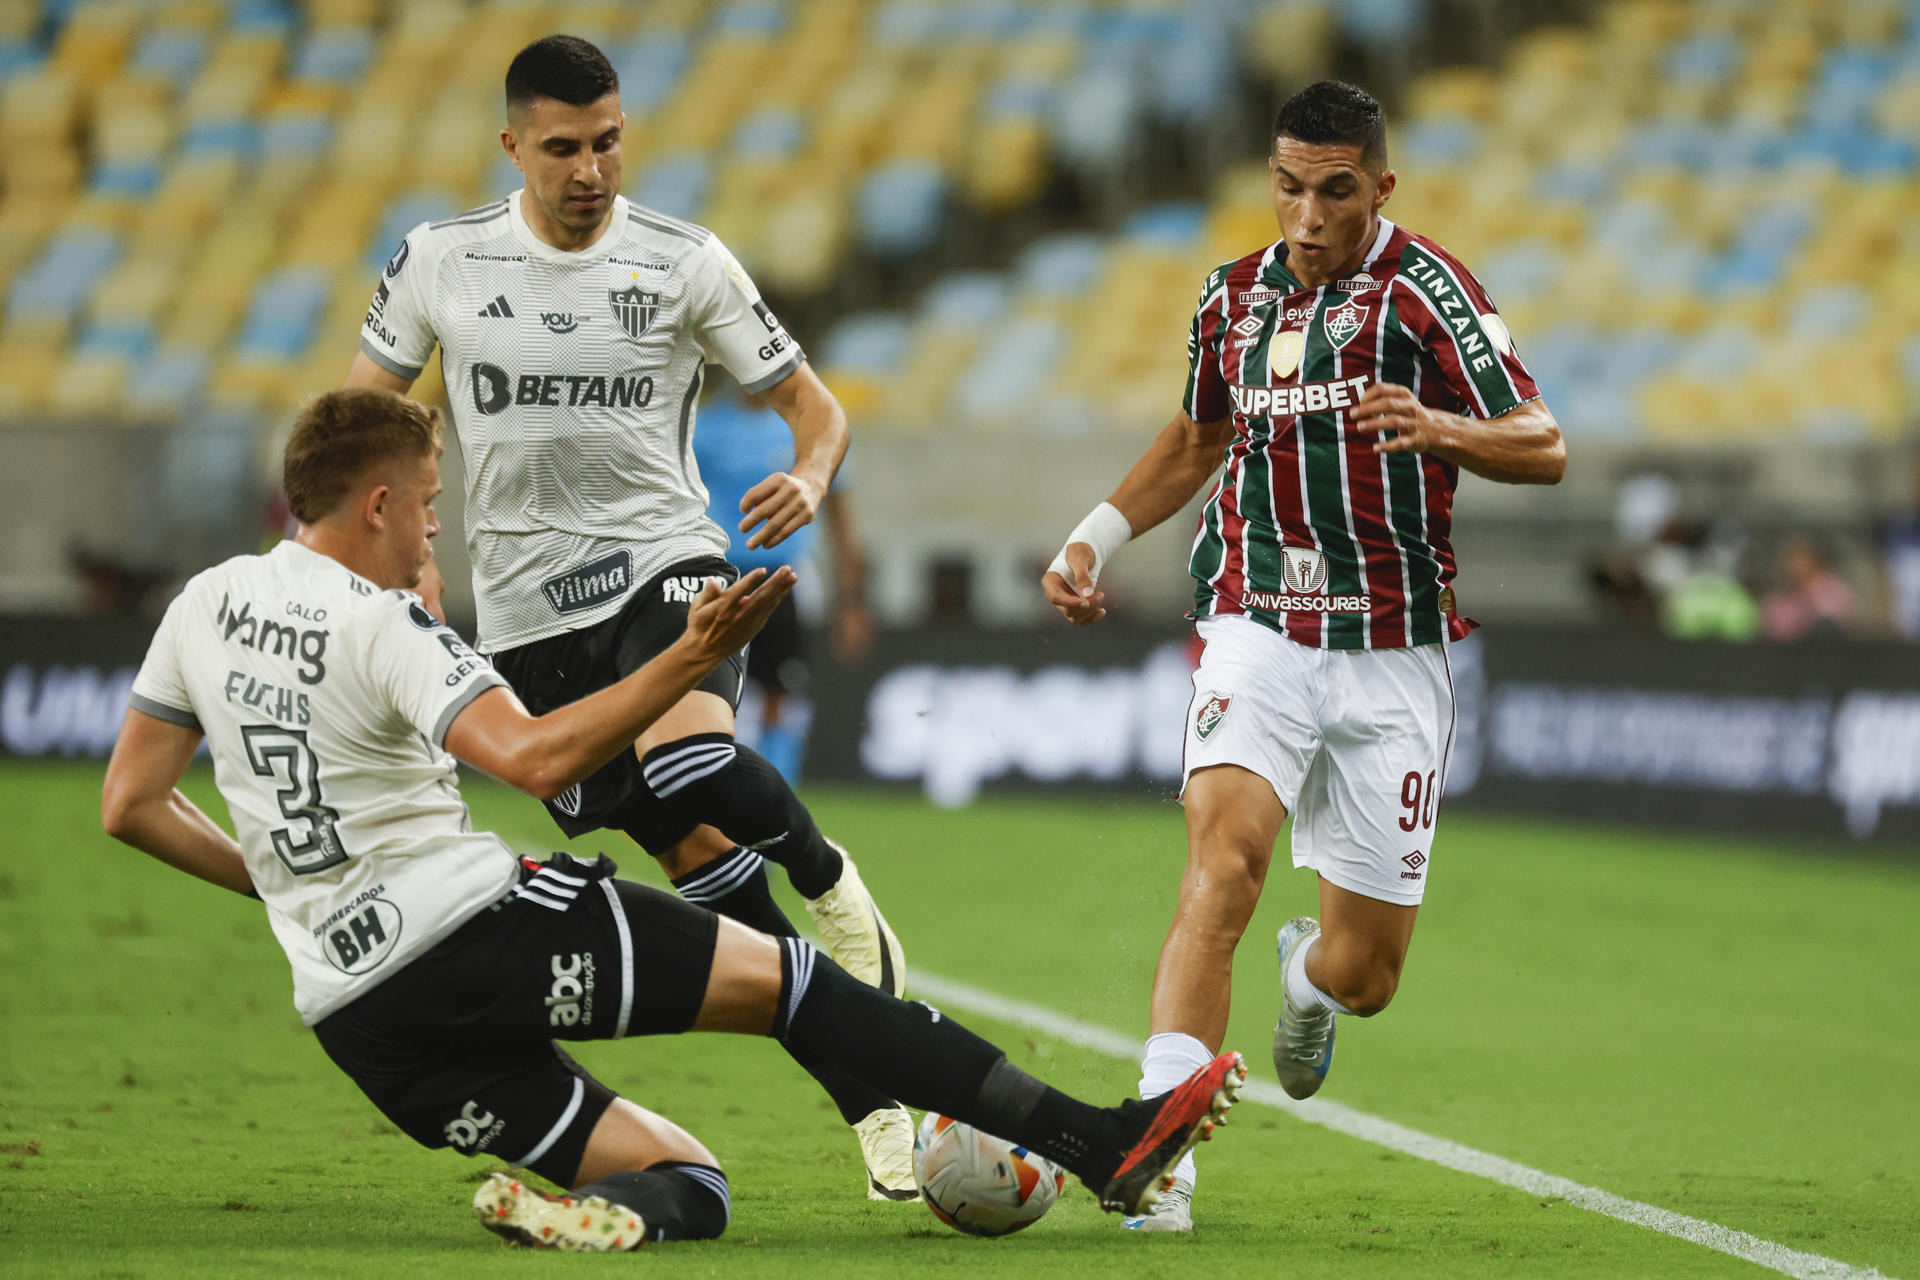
284, 756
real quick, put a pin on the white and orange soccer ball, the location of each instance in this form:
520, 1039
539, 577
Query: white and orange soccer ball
980, 1184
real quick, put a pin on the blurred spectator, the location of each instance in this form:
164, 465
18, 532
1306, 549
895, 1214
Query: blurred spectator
1900, 564
737, 446
1810, 599
1673, 572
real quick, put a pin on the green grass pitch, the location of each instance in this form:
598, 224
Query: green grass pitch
1728, 1031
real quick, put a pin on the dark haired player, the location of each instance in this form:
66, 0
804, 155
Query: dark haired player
1344, 375
439, 971
575, 330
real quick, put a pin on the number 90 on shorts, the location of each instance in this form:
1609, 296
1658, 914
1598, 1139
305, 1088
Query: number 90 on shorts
1353, 741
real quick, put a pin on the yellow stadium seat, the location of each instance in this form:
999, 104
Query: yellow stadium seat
96, 40
1470, 92
1006, 166
1293, 42
803, 238
91, 385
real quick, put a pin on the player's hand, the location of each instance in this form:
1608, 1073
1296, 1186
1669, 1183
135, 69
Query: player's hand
723, 619
784, 503
1079, 603
1405, 425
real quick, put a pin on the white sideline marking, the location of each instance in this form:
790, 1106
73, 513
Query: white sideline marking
1412, 1142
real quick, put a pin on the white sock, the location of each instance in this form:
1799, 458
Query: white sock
1171, 1057
1300, 988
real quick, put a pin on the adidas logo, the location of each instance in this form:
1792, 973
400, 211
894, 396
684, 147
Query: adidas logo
498, 309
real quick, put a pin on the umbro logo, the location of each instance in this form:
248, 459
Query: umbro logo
1414, 861
498, 309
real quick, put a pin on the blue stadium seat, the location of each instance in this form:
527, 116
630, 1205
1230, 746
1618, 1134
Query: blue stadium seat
169, 379
676, 184
337, 56
966, 299
1176, 224
173, 54
649, 67
1096, 118
1015, 363
870, 342
262, 15
771, 133
1703, 59
295, 134
110, 337
900, 207
221, 137
750, 18
286, 308
1065, 263
1192, 71
65, 273
402, 214
1382, 24
133, 177
1437, 141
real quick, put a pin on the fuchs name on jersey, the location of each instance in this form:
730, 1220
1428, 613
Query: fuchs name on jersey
1310, 530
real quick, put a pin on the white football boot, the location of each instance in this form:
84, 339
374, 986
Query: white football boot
856, 934
1173, 1211
579, 1224
1303, 1041
886, 1142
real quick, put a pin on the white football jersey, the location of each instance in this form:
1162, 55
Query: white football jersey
573, 377
325, 700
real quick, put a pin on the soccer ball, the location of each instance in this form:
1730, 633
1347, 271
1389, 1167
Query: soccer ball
980, 1184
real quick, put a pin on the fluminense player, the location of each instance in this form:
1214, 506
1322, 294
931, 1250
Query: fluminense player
1342, 376
441, 972
575, 331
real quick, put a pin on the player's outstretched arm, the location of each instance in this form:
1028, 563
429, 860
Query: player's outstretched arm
1521, 446
544, 755
141, 806
365, 373
1181, 458
787, 500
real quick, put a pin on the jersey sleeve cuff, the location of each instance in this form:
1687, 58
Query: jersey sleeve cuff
161, 711
778, 376
386, 361
485, 681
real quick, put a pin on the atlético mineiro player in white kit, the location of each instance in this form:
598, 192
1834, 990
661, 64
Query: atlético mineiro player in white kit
441, 972
575, 332
1339, 379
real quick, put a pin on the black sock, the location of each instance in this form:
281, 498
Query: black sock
676, 1200
735, 885
711, 778
927, 1060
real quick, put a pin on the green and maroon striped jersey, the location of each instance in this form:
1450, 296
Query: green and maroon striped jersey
1308, 530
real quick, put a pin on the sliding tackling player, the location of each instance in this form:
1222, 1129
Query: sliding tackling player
441, 972
575, 331
1343, 374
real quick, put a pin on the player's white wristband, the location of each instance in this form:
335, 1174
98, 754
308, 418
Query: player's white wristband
1105, 530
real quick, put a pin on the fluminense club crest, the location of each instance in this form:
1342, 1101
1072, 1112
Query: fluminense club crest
1344, 321
1211, 712
1304, 569
634, 308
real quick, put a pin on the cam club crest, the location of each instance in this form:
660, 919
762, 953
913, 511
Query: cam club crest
634, 308
1344, 321
1283, 353
1211, 712
1304, 569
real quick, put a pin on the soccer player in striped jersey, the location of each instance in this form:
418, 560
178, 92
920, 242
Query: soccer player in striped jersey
1340, 378
575, 332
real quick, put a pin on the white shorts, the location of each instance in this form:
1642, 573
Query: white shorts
1354, 742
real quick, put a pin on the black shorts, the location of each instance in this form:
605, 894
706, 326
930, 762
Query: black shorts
459, 1047
777, 660
550, 673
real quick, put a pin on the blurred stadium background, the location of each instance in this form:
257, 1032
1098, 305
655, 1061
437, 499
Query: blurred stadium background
987, 221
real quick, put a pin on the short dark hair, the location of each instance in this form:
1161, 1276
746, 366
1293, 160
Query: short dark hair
564, 68
1335, 112
337, 436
